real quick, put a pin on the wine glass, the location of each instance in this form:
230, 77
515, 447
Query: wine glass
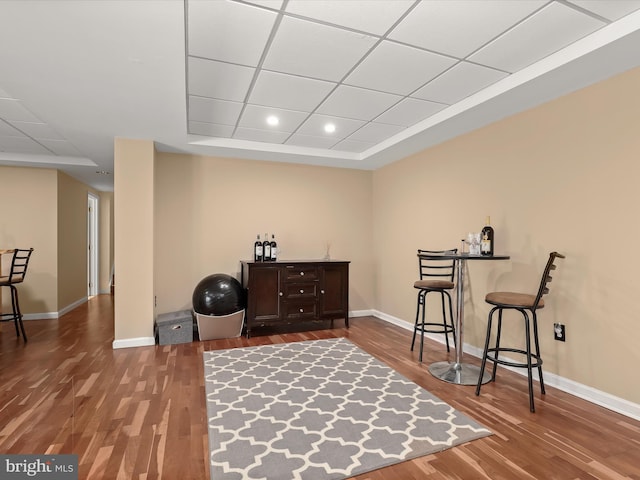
473, 239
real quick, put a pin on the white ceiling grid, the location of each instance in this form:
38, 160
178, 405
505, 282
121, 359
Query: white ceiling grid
372, 68
22, 132
202, 76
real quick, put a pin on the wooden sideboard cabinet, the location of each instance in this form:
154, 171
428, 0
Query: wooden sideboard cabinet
290, 292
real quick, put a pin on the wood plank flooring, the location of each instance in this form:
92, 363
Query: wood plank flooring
139, 413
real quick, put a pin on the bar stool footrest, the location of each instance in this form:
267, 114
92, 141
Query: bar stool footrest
536, 361
420, 327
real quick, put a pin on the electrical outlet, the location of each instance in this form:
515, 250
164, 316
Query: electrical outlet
559, 332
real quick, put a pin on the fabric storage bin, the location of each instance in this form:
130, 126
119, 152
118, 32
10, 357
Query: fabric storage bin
174, 327
211, 327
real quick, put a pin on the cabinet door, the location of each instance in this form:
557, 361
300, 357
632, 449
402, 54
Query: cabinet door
264, 294
334, 291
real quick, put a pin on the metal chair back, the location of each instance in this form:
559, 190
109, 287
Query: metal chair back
431, 269
19, 264
546, 278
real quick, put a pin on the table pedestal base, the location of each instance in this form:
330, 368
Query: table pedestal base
458, 373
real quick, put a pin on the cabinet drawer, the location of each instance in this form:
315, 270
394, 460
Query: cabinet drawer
301, 310
294, 291
295, 273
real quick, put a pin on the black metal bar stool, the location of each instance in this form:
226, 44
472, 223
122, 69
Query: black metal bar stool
523, 303
435, 276
17, 273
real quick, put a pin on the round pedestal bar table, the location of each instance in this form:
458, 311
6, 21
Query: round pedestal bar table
458, 372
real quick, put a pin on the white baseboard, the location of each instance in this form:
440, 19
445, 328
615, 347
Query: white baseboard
134, 342
362, 313
598, 397
54, 315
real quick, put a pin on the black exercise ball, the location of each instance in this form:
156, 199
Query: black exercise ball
218, 294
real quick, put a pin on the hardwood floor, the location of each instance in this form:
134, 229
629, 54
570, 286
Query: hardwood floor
139, 413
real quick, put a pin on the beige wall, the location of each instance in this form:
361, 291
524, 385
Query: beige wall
28, 218
209, 211
563, 176
105, 239
50, 214
133, 238
72, 240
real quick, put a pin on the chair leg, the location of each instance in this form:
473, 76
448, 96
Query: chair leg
497, 346
17, 315
444, 321
419, 325
13, 309
453, 323
537, 344
415, 326
486, 350
527, 335
424, 308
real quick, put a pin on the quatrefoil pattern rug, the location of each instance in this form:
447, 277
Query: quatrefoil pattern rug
320, 409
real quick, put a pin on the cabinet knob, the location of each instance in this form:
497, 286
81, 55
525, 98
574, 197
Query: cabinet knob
302, 310
301, 291
280, 294
322, 292
302, 274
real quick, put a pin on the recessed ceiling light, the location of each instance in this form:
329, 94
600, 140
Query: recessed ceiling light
329, 128
273, 120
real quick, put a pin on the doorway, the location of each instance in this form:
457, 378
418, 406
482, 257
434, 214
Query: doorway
92, 245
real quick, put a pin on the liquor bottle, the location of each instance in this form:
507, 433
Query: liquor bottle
257, 250
487, 242
266, 249
274, 248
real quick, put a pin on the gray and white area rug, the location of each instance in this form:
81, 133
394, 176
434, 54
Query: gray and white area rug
319, 409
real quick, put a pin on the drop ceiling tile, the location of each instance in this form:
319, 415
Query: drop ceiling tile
311, 141
410, 111
22, 145
13, 111
228, 31
273, 4
37, 130
314, 50
375, 132
396, 68
210, 129
208, 78
6, 130
358, 103
459, 82
256, 135
289, 91
542, 34
255, 116
380, 16
60, 147
353, 146
460, 27
314, 126
213, 111
609, 9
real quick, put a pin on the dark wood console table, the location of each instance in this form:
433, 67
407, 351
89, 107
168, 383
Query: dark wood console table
289, 292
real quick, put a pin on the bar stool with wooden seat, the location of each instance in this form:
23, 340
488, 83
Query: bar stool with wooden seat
435, 276
17, 273
523, 303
